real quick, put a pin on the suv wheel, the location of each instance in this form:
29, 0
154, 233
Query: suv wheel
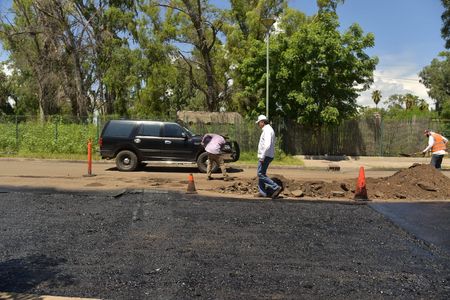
202, 163
126, 161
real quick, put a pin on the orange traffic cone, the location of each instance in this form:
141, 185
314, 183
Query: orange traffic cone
361, 191
191, 185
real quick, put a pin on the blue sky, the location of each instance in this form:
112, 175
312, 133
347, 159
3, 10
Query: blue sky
407, 38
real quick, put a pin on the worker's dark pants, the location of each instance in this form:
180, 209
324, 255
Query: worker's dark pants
436, 160
266, 186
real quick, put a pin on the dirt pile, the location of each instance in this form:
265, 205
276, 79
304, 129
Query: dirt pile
422, 182
418, 182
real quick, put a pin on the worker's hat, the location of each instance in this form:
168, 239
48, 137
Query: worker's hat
261, 118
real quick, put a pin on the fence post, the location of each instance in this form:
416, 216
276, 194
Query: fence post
381, 136
97, 123
17, 135
56, 130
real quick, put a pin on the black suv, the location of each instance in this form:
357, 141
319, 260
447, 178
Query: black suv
132, 143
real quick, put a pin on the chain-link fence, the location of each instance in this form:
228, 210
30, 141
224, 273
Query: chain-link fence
364, 137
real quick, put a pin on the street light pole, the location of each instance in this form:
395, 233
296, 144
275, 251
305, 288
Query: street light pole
267, 73
268, 24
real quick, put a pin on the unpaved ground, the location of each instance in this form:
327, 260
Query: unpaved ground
419, 183
151, 245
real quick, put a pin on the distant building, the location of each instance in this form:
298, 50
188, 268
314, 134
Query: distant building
206, 117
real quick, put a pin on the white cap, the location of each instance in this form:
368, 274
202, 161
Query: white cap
261, 118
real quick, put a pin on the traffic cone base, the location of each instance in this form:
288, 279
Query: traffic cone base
361, 190
191, 185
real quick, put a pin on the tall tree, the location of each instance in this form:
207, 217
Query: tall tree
329, 5
108, 26
406, 102
32, 52
5, 94
317, 72
193, 26
376, 97
72, 50
436, 78
445, 31
245, 34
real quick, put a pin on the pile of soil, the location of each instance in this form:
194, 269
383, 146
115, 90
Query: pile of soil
418, 182
421, 182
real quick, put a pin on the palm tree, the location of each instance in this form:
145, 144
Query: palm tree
376, 97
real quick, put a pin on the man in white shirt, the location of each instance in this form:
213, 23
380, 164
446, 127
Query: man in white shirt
266, 152
437, 144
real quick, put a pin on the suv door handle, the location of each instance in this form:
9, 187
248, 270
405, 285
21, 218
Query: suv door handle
167, 142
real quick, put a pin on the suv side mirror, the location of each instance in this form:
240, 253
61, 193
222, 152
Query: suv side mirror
183, 134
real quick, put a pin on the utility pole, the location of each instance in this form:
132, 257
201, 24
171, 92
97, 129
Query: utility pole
268, 24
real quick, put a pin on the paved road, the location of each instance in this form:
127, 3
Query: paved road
427, 221
156, 245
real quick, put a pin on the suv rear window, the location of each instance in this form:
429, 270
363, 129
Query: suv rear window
119, 129
173, 130
150, 129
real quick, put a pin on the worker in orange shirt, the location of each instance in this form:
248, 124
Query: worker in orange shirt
437, 144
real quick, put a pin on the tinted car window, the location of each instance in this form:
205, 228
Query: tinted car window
150, 129
118, 129
172, 130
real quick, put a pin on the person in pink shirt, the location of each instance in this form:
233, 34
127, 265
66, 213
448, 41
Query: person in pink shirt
213, 144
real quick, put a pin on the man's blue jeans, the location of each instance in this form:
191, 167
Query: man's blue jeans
266, 186
436, 160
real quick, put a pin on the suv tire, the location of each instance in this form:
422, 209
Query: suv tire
202, 163
126, 161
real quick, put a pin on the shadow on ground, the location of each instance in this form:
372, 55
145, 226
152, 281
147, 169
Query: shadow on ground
175, 169
24, 274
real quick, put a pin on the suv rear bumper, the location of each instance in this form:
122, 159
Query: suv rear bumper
106, 154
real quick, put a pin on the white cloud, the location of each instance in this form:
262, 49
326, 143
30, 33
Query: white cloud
395, 75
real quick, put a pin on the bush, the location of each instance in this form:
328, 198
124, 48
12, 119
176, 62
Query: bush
46, 138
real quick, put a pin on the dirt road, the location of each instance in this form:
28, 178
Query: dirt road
67, 175
70, 175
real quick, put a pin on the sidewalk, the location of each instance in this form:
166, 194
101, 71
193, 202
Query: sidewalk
368, 162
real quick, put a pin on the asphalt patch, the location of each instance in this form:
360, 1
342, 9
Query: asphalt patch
146, 245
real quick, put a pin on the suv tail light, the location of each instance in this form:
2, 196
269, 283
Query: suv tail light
100, 142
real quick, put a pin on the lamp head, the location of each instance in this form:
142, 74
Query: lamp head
268, 22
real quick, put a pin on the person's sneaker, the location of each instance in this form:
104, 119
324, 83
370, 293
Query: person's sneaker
276, 193
258, 195
209, 178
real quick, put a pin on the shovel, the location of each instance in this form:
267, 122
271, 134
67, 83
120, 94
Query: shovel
415, 154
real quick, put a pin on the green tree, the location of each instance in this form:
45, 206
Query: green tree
5, 94
110, 26
445, 31
65, 50
376, 97
32, 53
436, 78
192, 27
245, 35
406, 102
318, 72
328, 5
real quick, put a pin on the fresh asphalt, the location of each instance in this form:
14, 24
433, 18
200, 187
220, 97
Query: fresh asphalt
429, 222
145, 244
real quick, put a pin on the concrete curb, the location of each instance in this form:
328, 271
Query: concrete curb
18, 296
